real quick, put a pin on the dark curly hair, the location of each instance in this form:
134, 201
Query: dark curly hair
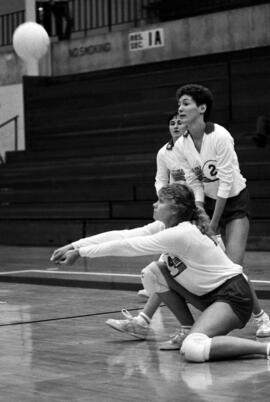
200, 94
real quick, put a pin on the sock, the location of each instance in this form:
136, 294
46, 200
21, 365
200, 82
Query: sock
186, 328
268, 351
143, 319
259, 315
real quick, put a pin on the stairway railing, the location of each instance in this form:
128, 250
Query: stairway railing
15, 120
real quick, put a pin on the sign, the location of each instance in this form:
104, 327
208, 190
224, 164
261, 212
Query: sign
146, 39
89, 50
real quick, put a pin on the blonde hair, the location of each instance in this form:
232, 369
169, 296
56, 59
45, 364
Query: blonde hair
184, 200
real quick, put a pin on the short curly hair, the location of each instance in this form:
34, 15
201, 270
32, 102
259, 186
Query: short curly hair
200, 94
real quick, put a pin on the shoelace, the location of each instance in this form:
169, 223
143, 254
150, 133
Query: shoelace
263, 320
126, 314
178, 332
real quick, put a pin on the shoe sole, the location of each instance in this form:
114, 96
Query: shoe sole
142, 338
262, 336
170, 347
143, 296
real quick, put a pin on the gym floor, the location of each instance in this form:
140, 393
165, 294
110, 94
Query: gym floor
57, 347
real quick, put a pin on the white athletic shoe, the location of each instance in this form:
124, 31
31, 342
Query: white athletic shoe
143, 293
263, 324
176, 340
130, 325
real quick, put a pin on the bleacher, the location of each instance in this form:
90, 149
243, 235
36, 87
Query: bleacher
91, 142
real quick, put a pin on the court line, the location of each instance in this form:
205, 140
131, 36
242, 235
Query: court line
67, 317
69, 273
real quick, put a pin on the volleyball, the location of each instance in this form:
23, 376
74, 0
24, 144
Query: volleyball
31, 41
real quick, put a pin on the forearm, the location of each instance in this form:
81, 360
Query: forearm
218, 211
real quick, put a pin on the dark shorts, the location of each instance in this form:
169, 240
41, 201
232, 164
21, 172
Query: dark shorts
236, 207
236, 292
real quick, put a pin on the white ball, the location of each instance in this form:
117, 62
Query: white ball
30, 41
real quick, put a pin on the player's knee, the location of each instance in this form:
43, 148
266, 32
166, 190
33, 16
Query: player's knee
196, 347
152, 278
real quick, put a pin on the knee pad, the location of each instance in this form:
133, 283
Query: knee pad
153, 280
196, 347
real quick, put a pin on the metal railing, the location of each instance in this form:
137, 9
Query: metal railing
8, 24
15, 120
94, 14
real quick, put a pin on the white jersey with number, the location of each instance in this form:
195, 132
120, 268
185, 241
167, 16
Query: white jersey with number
214, 171
194, 259
168, 168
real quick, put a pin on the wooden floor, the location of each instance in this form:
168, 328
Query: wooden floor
56, 347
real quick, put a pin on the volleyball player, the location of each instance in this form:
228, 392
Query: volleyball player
206, 152
168, 169
192, 260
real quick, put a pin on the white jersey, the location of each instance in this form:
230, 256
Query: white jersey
214, 171
168, 168
194, 259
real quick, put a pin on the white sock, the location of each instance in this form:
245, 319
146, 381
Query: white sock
186, 328
143, 319
268, 351
259, 315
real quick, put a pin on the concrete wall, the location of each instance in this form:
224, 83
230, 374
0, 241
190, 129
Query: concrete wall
10, 6
12, 68
11, 104
11, 101
208, 34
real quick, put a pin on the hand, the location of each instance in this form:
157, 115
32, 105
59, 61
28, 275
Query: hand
60, 253
70, 257
219, 241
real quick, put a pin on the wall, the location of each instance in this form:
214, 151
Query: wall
10, 6
11, 104
208, 34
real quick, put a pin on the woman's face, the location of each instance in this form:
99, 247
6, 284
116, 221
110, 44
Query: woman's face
189, 111
176, 127
164, 211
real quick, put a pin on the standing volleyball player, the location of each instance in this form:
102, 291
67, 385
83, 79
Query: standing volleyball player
168, 169
195, 262
206, 152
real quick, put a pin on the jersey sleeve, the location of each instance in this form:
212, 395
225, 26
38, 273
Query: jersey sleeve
146, 230
162, 242
190, 175
162, 174
225, 155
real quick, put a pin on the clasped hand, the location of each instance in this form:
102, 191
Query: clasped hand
66, 255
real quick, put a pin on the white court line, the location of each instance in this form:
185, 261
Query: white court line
69, 273
14, 272
47, 271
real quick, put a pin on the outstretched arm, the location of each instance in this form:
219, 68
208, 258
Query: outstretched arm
165, 241
59, 255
